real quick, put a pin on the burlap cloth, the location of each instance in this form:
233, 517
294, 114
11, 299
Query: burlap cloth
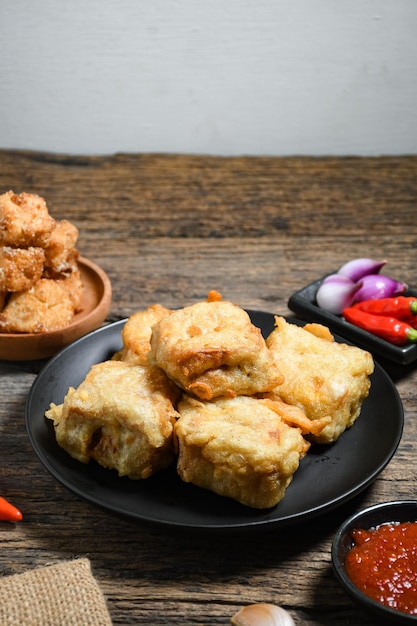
56, 595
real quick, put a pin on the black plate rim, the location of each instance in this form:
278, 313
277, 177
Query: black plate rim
246, 524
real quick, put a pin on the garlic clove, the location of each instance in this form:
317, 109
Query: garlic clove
262, 614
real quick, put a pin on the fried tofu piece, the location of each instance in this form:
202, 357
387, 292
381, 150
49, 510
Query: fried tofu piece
136, 334
212, 349
238, 448
294, 416
44, 307
60, 255
20, 268
122, 416
326, 379
24, 220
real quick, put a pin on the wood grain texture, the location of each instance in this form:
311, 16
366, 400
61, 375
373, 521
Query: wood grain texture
167, 229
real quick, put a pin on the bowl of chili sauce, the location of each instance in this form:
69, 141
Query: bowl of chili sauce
374, 557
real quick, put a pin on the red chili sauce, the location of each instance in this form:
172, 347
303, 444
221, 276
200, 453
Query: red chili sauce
383, 564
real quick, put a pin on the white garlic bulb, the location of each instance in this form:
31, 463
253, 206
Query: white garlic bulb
262, 614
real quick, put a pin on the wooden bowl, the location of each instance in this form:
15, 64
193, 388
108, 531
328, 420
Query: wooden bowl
95, 304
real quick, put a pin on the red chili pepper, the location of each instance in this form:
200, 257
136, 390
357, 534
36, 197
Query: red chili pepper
8, 512
401, 307
389, 328
412, 321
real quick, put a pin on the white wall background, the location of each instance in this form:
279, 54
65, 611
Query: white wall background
226, 77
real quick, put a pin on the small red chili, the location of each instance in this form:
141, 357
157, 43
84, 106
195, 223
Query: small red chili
401, 307
389, 328
8, 512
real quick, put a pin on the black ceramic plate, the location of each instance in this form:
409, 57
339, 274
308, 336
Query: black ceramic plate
327, 477
304, 303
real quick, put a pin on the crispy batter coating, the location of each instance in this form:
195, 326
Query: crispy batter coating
326, 379
40, 280
24, 220
121, 416
212, 349
59, 252
294, 416
72, 284
20, 268
43, 307
136, 334
239, 448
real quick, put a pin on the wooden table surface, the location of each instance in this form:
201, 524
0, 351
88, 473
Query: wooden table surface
167, 229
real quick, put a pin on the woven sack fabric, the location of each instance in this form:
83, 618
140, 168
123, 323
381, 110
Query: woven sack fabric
65, 594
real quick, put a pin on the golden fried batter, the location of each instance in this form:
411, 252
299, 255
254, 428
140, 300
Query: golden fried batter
326, 379
294, 416
40, 280
122, 416
24, 220
136, 334
212, 349
44, 307
59, 252
72, 284
239, 448
20, 268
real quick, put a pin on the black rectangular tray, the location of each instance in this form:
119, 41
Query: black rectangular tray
303, 303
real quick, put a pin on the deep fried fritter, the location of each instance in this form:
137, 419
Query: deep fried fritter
212, 349
24, 220
59, 252
326, 379
20, 268
136, 334
239, 448
39, 275
72, 284
122, 416
43, 307
294, 416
